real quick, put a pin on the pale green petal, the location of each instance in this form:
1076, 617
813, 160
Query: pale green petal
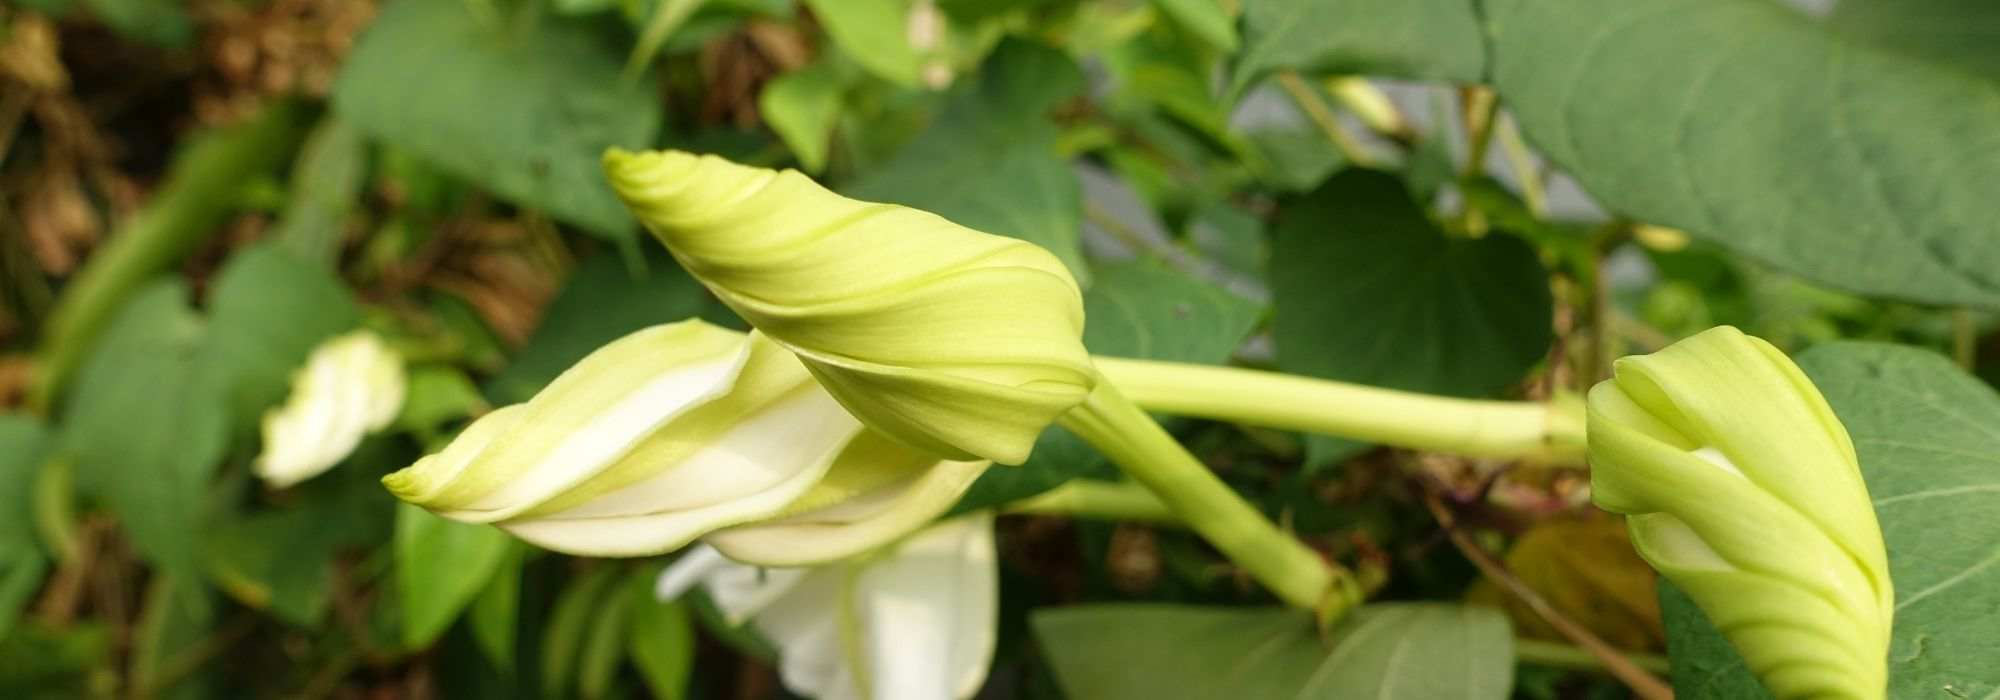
950, 340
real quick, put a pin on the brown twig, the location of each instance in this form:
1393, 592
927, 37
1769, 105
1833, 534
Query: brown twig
1643, 684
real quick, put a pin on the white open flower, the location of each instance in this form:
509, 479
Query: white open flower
673, 433
350, 386
913, 621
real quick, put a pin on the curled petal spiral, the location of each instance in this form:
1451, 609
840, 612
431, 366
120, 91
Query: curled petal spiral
350, 386
949, 340
1742, 487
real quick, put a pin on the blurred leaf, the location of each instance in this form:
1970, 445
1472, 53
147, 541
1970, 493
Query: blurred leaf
524, 109
1204, 18
1752, 127
875, 33
1389, 651
1367, 290
1955, 32
989, 161
441, 565
437, 395
1231, 236
1295, 159
24, 444
1925, 433
281, 559
267, 311
563, 639
662, 642
803, 106
146, 429
496, 612
1414, 39
604, 646
601, 303
1587, 570
163, 23
1138, 310
176, 615
325, 190
38, 662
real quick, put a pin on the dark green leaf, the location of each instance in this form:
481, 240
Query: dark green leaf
1203, 18
1954, 32
281, 559
604, 645
1138, 310
440, 566
563, 641
1415, 39
525, 109
662, 642
1367, 290
161, 22
1928, 436
40, 662
496, 613
1390, 651
1750, 126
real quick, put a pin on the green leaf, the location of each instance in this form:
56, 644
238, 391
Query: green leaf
1928, 436
662, 642
325, 189
1138, 310
440, 566
563, 640
281, 559
989, 160
875, 33
1203, 18
37, 661
602, 302
803, 106
437, 395
1953, 32
1368, 290
24, 444
604, 646
496, 613
159, 22
268, 310
1293, 159
1389, 651
524, 109
1414, 39
1752, 127
146, 430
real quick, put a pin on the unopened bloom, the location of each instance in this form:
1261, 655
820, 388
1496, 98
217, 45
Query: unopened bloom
675, 432
1743, 489
913, 621
947, 339
350, 386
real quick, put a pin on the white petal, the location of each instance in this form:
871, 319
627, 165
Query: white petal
929, 612
336, 399
805, 626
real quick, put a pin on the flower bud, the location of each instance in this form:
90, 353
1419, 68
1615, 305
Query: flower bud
669, 434
350, 386
1743, 489
949, 340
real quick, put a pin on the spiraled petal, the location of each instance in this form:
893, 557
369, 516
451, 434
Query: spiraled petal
350, 386
947, 339
1743, 488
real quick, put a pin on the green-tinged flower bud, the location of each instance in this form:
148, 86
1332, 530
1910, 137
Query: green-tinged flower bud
1743, 489
667, 435
350, 386
949, 340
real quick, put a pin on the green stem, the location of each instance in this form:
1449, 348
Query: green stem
1564, 656
1295, 573
1497, 429
200, 190
1101, 500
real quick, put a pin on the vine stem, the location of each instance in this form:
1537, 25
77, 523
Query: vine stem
1294, 572
1100, 500
1495, 429
1644, 685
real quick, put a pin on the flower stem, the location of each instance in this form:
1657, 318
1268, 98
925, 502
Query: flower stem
1103, 500
1295, 573
1498, 429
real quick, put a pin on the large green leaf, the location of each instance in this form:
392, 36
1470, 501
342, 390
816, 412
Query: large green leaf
24, 443
1929, 440
147, 428
989, 161
441, 565
523, 108
1754, 127
281, 559
1141, 310
1958, 32
802, 107
875, 33
1416, 39
267, 311
1388, 651
1367, 290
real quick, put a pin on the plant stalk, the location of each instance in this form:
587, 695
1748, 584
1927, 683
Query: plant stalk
1294, 572
1474, 428
1101, 500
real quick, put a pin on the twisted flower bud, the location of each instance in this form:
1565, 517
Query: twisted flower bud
673, 433
350, 386
949, 340
1743, 489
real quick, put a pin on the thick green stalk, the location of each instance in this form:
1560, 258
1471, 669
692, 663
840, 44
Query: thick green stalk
200, 189
1498, 429
1295, 573
1101, 500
